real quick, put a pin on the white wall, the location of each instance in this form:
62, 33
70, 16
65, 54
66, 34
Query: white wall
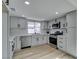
4, 36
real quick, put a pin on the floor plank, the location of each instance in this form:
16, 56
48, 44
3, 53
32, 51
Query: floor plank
41, 52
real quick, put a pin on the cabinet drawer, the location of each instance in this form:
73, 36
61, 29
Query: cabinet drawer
60, 39
60, 42
61, 47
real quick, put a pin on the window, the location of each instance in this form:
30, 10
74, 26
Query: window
34, 27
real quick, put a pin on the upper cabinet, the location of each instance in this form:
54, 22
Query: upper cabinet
44, 25
50, 24
62, 21
72, 19
17, 22
18, 26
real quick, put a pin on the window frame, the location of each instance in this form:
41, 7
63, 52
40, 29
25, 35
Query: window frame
34, 28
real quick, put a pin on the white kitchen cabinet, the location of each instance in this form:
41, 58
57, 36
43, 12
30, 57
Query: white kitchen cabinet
17, 22
39, 40
44, 25
72, 41
72, 33
14, 22
18, 26
71, 19
50, 24
62, 42
34, 41
17, 42
45, 39
62, 22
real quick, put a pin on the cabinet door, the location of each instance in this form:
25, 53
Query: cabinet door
23, 41
15, 23
18, 43
50, 25
71, 41
62, 43
34, 41
21, 22
45, 39
72, 19
63, 23
40, 40
45, 25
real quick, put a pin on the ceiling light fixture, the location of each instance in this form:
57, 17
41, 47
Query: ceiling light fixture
57, 13
27, 3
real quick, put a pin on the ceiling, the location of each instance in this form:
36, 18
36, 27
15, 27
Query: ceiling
42, 9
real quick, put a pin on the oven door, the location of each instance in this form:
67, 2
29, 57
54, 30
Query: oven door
53, 40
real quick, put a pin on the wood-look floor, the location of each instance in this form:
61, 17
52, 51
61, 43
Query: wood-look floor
41, 52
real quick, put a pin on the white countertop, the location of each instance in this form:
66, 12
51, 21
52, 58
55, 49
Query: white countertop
13, 36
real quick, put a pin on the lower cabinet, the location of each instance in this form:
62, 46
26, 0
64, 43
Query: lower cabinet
33, 40
17, 43
62, 42
39, 40
67, 43
72, 41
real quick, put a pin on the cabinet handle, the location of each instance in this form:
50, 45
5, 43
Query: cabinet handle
60, 42
60, 46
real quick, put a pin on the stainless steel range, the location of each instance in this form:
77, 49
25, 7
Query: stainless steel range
53, 37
